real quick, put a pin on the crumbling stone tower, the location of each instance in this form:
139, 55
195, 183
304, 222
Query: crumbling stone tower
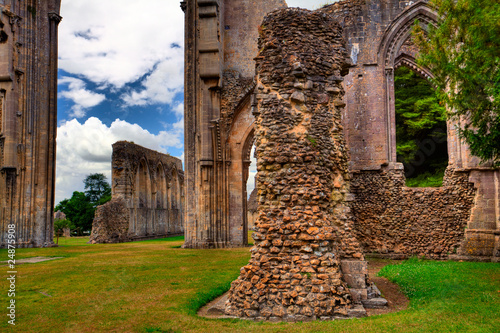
28, 119
303, 229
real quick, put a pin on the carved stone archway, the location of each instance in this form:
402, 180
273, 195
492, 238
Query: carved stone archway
221, 41
392, 53
240, 141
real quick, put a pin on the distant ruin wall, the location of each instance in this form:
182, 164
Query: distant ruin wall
151, 185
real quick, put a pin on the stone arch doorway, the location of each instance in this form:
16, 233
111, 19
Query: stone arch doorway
421, 128
397, 49
240, 142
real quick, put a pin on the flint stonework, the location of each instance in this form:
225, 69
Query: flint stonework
303, 234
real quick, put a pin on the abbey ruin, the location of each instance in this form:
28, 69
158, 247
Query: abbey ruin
148, 196
304, 243
461, 219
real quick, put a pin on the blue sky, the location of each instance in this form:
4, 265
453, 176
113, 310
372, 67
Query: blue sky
120, 78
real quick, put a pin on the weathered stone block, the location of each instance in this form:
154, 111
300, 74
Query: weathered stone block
111, 223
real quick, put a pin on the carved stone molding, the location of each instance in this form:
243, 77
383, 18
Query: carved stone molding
55, 17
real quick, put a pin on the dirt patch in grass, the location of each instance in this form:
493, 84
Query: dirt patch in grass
396, 300
32, 260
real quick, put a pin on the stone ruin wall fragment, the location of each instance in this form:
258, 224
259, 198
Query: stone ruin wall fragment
460, 220
28, 120
303, 230
148, 196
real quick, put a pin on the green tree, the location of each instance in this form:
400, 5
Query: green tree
420, 126
79, 210
60, 225
97, 189
463, 52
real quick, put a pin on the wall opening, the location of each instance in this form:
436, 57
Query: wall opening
421, 136
251, 196
142, 186
161, 190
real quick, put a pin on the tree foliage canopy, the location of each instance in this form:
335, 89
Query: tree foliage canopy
463, 53
420, 125
80, 208
97, 188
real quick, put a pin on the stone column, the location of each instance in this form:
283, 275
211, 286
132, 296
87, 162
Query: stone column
28, 87
303, 238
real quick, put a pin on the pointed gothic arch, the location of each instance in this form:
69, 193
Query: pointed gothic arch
140, 223
240, 141
161, 188
390, 56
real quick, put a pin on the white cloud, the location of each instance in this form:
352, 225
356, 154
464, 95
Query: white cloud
161, 85
179, 109
115, 42
82, 97
85, 148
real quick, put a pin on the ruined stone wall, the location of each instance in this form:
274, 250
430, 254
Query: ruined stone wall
152, 187
399, 221
28, 119
219, 100
378, 35
303, 230
241, 20
367, 119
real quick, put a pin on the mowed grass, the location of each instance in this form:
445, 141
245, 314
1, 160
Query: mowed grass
156, 286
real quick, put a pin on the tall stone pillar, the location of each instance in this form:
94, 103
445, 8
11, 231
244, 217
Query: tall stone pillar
203, 73
305, 257
28, 104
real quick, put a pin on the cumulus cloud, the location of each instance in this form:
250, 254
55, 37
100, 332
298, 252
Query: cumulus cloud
82, 97
85, 148
179, 109
115, 42
161, 86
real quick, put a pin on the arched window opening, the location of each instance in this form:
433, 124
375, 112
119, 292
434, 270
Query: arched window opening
421, 136
161, 192
142, 186
174, 193
251, 192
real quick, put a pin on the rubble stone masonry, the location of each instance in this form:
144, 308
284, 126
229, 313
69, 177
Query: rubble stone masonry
399, 221
303, 228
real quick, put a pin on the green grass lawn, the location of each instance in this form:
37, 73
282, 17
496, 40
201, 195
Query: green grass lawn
156, 286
